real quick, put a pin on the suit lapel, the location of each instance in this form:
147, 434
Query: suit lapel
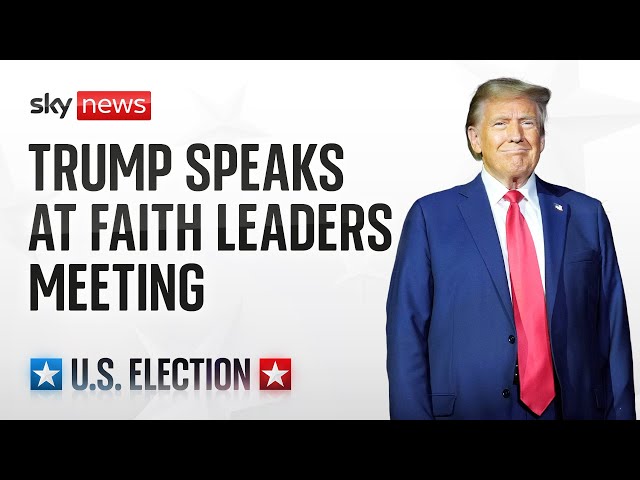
476, 212
555, 214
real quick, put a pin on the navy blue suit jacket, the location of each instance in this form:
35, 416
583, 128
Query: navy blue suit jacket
449, 312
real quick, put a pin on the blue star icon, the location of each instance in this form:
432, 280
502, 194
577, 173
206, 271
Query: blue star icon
46, 374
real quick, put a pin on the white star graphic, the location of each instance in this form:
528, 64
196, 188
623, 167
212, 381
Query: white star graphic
46, 375
275, 375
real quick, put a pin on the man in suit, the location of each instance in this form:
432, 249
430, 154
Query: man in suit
506, 299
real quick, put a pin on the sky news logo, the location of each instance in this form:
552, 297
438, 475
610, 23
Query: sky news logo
163, 374
97, 105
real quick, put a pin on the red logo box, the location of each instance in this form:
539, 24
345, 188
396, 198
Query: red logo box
120, 105
275, 374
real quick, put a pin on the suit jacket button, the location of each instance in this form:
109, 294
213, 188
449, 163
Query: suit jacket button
512, 339
506, 393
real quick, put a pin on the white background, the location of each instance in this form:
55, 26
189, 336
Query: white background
401, 126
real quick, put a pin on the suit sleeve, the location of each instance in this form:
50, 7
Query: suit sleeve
409, 303
613, 316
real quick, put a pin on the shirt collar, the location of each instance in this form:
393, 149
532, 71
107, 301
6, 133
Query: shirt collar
496, 190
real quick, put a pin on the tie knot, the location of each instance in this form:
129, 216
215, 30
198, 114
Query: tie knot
513, 196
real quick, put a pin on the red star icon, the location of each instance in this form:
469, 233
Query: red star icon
275, 374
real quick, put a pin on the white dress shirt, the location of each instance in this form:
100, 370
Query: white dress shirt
530, 208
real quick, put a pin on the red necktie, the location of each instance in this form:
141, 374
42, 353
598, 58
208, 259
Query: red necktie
529, 309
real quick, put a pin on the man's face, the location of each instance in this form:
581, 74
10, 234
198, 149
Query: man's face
508, 136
